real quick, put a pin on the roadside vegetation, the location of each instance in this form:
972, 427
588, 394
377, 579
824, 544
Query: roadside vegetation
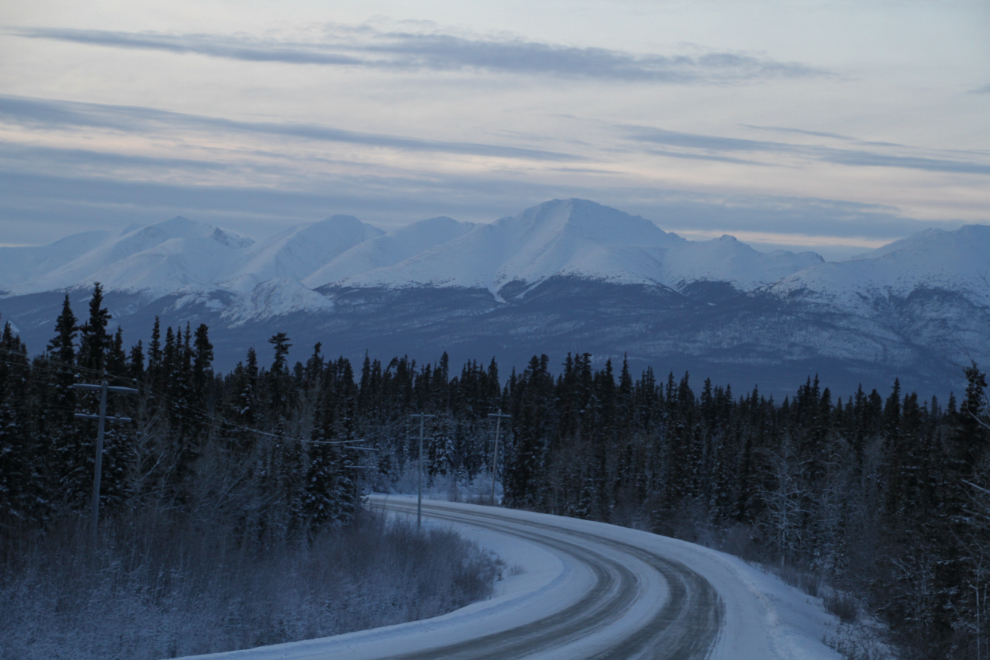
155, 587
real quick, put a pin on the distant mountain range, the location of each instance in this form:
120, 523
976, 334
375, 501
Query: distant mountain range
564, 276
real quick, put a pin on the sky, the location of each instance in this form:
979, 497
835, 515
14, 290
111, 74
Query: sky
832, 126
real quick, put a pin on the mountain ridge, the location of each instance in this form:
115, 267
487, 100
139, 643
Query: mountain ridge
557, 238
563, 275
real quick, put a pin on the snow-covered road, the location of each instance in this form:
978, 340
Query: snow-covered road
577, 589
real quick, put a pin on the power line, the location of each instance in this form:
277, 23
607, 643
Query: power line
54, 365
198, 413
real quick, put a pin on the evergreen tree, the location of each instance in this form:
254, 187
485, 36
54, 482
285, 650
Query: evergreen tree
62, 346
330, 494
94, 341
202, 370
135, 363
155, 357
16, 460
116, 359
66, 462
966, 449
531, 427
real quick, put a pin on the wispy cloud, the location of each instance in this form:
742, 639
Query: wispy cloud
689, 155
799, 131
981, 90
780, 215
227, 47
713, 146
864, 158
698, 141
45, 113
368, 46
22, 155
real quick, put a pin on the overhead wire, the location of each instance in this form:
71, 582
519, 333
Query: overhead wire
199, 412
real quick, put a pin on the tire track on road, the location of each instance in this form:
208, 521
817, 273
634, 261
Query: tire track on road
685, 627
610, 597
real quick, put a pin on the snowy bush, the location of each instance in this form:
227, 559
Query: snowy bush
449, 487
150, 589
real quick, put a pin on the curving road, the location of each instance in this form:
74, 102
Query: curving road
587, 590
684, 625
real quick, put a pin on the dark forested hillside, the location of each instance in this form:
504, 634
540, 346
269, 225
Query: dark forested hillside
885, 495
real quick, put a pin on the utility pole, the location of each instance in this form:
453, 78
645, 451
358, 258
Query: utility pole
419, 502
98, 468
498, 427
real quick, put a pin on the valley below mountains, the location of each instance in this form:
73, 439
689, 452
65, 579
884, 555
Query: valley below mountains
565, 276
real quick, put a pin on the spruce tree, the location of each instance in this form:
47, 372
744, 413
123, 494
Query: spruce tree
135, 363
67, 463
967, 448
155, 357
17, 465
94, 341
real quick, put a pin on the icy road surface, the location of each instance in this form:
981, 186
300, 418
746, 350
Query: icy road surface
589, 590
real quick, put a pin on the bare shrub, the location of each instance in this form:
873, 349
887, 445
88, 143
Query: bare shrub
842, 605
807, 582
855, 642
151, 589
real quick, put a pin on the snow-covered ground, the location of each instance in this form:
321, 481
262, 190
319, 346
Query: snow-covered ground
575, 589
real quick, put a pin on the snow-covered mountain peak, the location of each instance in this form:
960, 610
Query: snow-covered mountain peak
933, 259
726, 259
149, 236
580, 218
299, 251
936, 244
340, 220
440, 225
389, 249
337, 229
559, 238
582, 239
230, 239
177, 227
129, 228
155, 258
22, 264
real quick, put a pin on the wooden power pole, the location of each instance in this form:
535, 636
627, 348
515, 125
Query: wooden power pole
498, 428
419, 500
103, 388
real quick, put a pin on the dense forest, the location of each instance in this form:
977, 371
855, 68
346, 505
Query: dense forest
884, 496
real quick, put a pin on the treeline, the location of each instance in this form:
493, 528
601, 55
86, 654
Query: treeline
885, 496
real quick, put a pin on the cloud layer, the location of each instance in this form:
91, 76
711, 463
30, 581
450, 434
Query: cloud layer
369, 47
48, 182
44, 113
47, 114
714, 147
